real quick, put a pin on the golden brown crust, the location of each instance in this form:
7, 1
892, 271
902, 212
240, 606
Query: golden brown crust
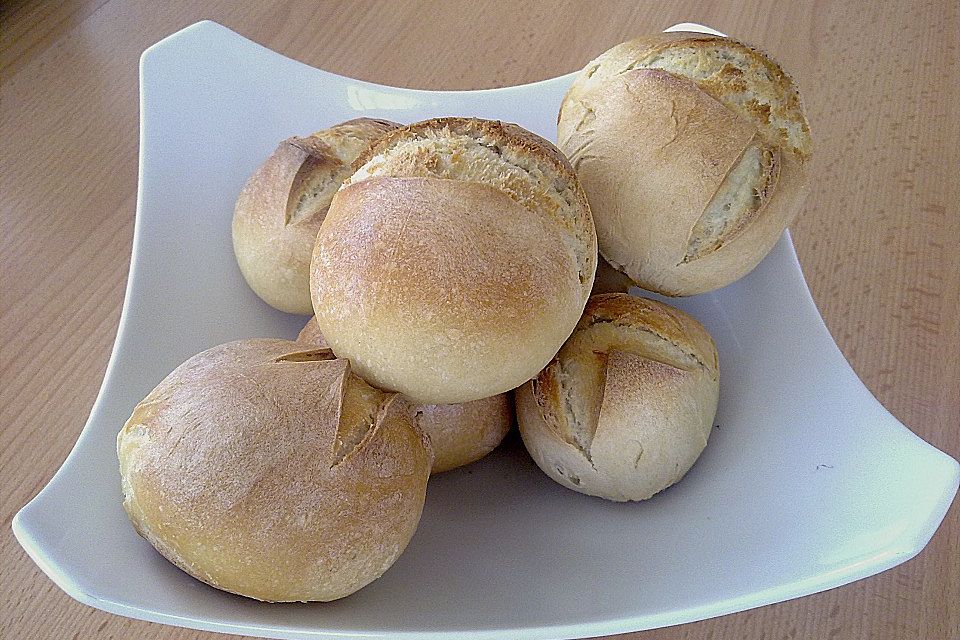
455, 261
627, 405
667, 322
777, 97
525, 167
240, 468
446, 291
688, 192
463, 433
282, 205
504, 133
744, 78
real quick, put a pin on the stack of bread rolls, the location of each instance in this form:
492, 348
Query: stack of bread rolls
447, 263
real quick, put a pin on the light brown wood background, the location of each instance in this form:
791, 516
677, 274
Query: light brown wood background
879, 239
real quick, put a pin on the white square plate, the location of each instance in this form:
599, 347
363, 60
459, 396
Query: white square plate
807, 483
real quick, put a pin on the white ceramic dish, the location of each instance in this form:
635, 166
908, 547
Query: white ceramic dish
808, 483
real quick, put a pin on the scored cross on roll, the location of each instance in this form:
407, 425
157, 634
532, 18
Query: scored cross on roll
267, 468
627, 406
283, 203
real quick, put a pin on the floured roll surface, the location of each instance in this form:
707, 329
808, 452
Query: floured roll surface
692, 150
456, 260
282, 205
459, 433
627, 406
267, 469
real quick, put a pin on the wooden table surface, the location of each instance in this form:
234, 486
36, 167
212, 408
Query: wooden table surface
878, 239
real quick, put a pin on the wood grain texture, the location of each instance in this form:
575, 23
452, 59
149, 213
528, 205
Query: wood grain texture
879, 239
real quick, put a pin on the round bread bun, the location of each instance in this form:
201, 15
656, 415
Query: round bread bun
455, 262
280, 209
271, 471
693, 150
627, 406
464, 433
459, 433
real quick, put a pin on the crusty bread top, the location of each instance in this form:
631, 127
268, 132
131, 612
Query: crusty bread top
524, 166
492, 133
301, 176
199, 391
570, 390
679, 334
322, 161
360, 404
351, 138
743, 78
675, 176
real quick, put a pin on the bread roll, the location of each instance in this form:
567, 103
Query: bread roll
626, 407
269, 470
459, 433
464, 433
693, 151
281, 207
455, 262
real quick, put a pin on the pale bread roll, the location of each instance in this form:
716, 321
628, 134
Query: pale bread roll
282, 205
267, 469
455, 262
459, 433
627, 406
464, 433
693, 150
